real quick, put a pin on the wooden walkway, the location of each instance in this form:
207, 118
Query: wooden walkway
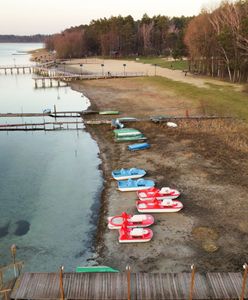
144, 286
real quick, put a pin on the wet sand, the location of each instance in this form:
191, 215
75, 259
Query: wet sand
195, 158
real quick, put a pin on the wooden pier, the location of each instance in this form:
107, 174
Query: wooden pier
43, 126
48, 78
134, 286
17, 69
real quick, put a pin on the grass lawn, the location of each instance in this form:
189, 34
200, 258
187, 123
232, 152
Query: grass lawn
214, 100
161, 62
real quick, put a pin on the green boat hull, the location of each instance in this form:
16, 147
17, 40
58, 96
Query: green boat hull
140, 137
97, 269
109, 112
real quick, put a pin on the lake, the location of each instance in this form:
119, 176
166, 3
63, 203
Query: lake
50, 182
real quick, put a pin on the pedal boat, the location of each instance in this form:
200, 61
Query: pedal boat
130, 221
134, 235
159, 206
164, 193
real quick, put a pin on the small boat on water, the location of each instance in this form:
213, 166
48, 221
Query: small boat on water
135, 235
138, 146
130, 221
126, 132
124, 174
135, 185
96, 269
130, 138
156, 206
153, 192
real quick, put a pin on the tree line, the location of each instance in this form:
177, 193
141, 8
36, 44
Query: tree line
123, 36
217, 41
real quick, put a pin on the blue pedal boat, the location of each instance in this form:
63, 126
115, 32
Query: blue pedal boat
138, 146
135, 185
124, 174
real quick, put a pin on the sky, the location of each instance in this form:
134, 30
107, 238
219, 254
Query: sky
27, 17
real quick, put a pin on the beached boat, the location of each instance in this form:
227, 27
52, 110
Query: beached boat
117, 124
138, 146
96, 269
109, 112
130, 138
135, 185
156, 206
130, 221
124, 174
126, 132
153, 192
135, 235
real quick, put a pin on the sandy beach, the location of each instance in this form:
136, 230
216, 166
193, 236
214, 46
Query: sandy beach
195, 158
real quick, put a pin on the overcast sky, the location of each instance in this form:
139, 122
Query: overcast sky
50, 16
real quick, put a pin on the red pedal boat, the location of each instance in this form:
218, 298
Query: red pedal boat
134, 235
164, 193
130, 221
156, 206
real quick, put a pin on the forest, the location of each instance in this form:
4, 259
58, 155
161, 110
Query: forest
215, 41
11, 38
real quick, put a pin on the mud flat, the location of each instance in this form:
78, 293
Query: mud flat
207, 161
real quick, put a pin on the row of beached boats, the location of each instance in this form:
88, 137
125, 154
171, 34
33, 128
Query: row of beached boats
130, 135
133, 228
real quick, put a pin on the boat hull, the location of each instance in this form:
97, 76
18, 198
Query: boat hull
147, 221
146, 207
128, 238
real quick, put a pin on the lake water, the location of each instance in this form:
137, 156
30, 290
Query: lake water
49, 181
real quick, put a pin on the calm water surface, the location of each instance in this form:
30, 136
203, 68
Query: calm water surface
49, 181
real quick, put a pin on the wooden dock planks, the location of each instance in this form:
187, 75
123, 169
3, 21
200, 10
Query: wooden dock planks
144, 286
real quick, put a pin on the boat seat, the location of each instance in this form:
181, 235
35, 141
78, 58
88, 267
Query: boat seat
137, 218
167, 202
138, 231
165, 190
142, 205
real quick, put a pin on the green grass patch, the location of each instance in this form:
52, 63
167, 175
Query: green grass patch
163, 63
212, 100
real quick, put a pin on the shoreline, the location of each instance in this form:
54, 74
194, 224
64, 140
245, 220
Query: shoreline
177, 160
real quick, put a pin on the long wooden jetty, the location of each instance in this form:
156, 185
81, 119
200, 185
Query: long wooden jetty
45, 126
17, 69
130, 286
68, 77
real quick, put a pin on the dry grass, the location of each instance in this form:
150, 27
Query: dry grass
233, 133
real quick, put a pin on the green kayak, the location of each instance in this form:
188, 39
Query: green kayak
109, 112
129, 138
126, 132
97, 269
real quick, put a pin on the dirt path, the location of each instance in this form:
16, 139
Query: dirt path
203, 160
111, 65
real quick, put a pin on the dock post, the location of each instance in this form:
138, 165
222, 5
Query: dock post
128, 272
13, 254
51, 83
43, 83
61, 287
192, 282
58, 83
35, 84
242, 296
11, 71
30, 70
55, 110
23, 70
5, 71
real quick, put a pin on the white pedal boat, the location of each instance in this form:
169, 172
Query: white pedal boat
164, 193
135, 235
130, 221
156, 206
